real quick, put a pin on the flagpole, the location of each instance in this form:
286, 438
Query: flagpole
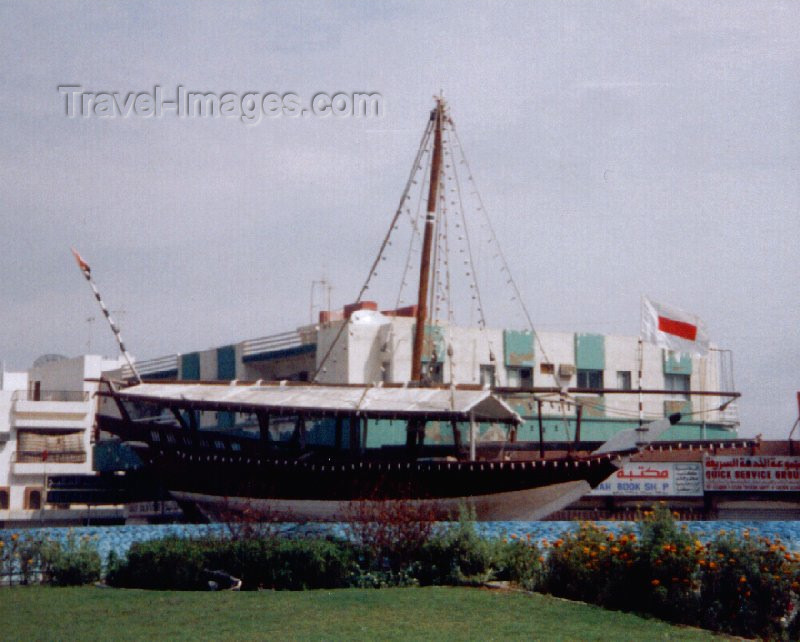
87, 272
641, 361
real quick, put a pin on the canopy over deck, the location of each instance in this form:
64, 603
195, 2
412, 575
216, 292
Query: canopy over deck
323, 400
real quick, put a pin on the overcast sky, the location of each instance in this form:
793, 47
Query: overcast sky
621, 148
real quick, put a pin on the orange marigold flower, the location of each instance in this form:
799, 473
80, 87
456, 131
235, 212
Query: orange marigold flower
712, 565
655, 582
14, 537
742, 579
702, 562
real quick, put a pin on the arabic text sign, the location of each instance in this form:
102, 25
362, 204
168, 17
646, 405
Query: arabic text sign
647, 479
754, 473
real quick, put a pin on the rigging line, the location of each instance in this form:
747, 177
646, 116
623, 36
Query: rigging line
440, 212
633, 414
417, 217
450, 315
448, 284
501, 254
422, 145
469, 254
623, 413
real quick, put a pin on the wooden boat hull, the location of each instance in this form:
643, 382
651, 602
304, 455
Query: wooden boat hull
222, 475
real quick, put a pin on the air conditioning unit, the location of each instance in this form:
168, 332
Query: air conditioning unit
672, 406
565, 370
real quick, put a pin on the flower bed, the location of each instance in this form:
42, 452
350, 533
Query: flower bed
735, 583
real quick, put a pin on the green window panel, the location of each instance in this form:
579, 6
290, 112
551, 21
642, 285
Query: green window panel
518, 348
190, 366
677, 363
590, 351
226, 363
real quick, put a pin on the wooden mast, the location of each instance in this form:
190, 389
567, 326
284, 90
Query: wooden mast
437, 114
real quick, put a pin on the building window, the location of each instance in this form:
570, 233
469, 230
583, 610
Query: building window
624, 379
487, 375
386, 371
33, 498
519, 377
590, 379
678, 385
547, 368
4, 498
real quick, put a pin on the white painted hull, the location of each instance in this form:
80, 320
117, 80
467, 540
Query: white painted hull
521, 505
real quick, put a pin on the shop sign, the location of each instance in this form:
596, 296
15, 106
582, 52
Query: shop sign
648, 479
751, 473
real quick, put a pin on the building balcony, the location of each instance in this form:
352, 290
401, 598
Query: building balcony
54, 409
25, 462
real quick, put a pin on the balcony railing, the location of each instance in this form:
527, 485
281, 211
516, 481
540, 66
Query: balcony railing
49, 456
272, 343
50, 395
167, 364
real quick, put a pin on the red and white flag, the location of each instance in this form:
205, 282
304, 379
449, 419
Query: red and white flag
673, 329
83, 265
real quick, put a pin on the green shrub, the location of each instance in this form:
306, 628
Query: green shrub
749, 588
577, 566
654, 572
456, 555
518, 561
185, 564
32, 558
667, 570
73, 564
171, 563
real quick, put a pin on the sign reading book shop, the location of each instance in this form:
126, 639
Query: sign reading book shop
648, 479
751, 473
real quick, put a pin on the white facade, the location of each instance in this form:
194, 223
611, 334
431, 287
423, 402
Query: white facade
46, 420
375, 352
364, 346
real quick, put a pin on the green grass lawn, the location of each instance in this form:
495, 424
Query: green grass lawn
433, 613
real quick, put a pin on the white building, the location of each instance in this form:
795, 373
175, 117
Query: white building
46, 421
600, 373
